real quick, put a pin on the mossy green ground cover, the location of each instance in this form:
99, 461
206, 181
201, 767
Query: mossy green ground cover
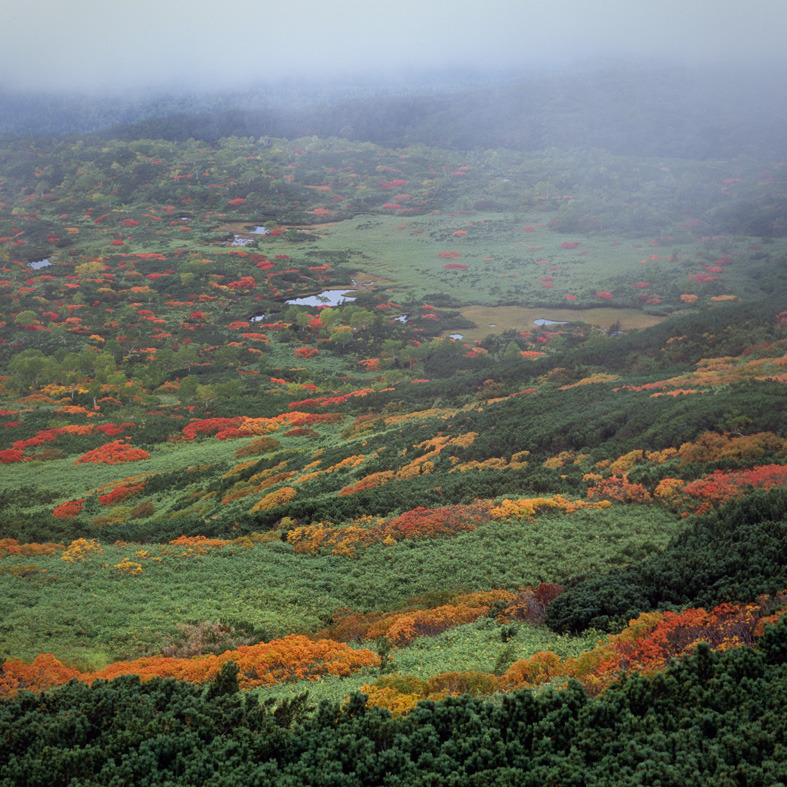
91, 609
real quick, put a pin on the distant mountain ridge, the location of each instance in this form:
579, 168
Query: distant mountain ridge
671, 112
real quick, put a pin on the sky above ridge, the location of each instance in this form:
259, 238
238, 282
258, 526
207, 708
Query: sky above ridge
83, 45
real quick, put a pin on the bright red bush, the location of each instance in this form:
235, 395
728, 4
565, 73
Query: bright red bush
68, 510
120, 493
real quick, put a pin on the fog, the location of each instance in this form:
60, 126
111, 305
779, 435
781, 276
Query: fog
93, 45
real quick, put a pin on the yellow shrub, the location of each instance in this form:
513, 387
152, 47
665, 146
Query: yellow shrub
80, 549
127, 566
276, 498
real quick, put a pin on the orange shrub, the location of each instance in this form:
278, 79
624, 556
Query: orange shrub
113, 453
417, 523
291, 658
537, 669
394, 701
197, 545
302, 432
262, 445
531, 603
10, 546
370, 481
403, 629
712, 447
43, 673
721, 486
403, 626
527, 508
80, 549
648, 643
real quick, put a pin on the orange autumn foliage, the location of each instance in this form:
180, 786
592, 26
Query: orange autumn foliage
527, 508
113, 453
399, 694
619, 488
646, 645
347, 462
10, 546
198, 545
417, 523
701, 495
68, 510
44, 672
291, 658
120, 493
531, 603
401, 627
421, 465
81, 548
279, 497
714, 447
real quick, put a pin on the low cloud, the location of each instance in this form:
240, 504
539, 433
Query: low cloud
82, 45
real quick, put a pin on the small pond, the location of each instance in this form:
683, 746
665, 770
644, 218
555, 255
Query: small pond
243, 240
239, 240
325, 298
456, 336
38, 264
543, 322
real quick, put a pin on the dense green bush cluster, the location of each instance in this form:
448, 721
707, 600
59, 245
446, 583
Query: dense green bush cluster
734, 554
714, 718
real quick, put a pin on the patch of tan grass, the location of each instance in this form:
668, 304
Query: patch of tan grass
498, 319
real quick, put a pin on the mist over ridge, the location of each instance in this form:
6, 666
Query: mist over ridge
628, 107
575, 69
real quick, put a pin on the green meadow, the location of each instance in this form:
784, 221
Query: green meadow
506, 263
90, 611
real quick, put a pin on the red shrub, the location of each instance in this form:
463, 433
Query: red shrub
306, 352
68, 510
113, 453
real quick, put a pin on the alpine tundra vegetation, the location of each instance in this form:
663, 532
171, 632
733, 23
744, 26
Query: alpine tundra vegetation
509, 510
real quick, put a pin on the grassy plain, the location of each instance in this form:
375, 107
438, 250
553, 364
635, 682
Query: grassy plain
507, 256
